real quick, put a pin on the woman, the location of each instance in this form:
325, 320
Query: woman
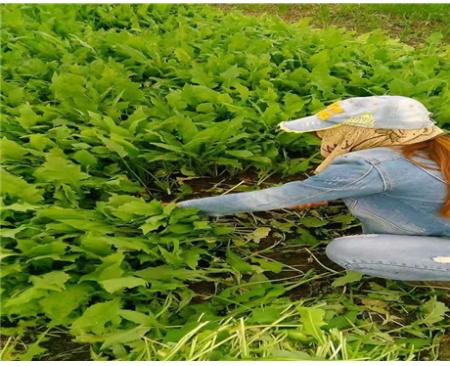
390, 164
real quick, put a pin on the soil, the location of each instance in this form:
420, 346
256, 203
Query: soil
208, 185
444, 349
60, 345
63, 347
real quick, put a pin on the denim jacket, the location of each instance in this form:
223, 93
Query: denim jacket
386, 192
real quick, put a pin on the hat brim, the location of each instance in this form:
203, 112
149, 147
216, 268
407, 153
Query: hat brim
306, 124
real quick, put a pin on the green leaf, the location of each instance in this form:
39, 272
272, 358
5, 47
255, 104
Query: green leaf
311, 221
97, 318
139, 318
266, 315
269, 265
192, 256
259, 233
39, 141
58, 169
54, 249
240, 153
85, 158
17, 187
433, 312
28, 118
312, 319
153, 223
293, 104
109, 269
285, 355
128, 207
237, 263
115, 284
169, 273
72, 298
50, 281
11, 150
180, 228
349, 277
128, 336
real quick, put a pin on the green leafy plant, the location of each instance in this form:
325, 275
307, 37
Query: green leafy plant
105, 108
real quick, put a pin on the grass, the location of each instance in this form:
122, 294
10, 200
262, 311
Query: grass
411, 23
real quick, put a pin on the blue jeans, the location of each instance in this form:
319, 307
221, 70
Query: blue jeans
399, 257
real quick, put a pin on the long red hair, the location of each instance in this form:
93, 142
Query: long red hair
437, 149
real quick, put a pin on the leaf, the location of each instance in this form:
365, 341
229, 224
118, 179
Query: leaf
11, 233
115, 284
39, 141
222, 230
293, 103
139, 318
62, 213
312, 319
230, 75
343, 321
14, 303
97, 318
85, 158
259, 233
237, 263
306, 236
124, 336
153, 223
127, 207
50, 281
31, 248
349, 277
58, 169
285, 355
266, 315
109, 269
96, 244
169, 273
19, 207
28, 118
401, 87
310, 221
17, 187
240, 153
72, 298
192, 256
182, 55
433, 312
268, 265
180, 228
11, 150
70, 89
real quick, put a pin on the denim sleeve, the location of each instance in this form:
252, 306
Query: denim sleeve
346, 177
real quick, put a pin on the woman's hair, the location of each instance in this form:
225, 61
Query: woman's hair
437, 149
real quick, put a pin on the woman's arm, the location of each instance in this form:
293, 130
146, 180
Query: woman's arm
347, 176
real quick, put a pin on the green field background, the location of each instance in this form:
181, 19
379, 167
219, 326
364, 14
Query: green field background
110, 110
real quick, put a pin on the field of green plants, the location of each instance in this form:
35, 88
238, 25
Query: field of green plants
110, 110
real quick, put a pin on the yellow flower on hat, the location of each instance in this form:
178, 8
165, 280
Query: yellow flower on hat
335, 107
330, 111
324, 114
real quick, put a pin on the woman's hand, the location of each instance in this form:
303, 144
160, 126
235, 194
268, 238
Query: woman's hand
308, 205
